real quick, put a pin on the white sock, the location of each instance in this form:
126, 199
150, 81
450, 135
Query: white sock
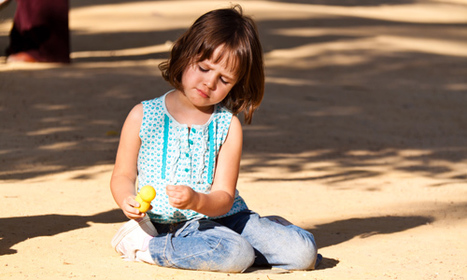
144, 254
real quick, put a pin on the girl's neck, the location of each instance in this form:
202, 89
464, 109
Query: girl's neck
184, 112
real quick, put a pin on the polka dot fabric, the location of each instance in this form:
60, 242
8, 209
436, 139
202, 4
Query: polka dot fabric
173, 154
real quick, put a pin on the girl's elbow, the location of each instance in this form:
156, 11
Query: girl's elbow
228, 206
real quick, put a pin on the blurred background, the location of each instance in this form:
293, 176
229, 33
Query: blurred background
361, 84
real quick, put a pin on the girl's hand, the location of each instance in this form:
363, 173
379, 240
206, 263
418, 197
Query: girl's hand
128, 207
182, 197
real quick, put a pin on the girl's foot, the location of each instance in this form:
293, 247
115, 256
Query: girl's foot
132, 240
20, 57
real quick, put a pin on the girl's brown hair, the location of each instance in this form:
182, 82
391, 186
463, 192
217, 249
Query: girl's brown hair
238, 36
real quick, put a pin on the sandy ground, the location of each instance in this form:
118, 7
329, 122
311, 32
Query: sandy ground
361, 138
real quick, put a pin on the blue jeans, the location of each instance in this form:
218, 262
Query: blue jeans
233, 244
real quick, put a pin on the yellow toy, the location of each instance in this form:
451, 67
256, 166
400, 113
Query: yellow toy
145, 195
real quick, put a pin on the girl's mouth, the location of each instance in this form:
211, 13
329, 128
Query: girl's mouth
202, 94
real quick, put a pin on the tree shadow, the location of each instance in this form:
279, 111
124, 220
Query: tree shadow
84, 3
321, 104
348, 3
341, 231
95, 43
14, 230
344, 230
341, 91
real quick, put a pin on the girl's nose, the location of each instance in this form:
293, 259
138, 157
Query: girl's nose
211, 82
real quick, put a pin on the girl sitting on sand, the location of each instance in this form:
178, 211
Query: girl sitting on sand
187, 144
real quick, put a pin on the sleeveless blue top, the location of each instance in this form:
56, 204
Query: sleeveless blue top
173, 154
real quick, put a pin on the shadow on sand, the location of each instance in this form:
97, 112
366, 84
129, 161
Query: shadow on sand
15, 230
360, 99
67, 118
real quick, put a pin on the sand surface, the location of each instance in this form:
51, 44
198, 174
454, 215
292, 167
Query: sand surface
361, 138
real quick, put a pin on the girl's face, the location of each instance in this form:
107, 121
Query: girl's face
206, 83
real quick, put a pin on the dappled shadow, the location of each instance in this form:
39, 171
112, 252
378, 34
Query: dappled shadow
336, 84
84, 3
348, 3
14, 230
113, 41
340, 231
342, 90
60, 125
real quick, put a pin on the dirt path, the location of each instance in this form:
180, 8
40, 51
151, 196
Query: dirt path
361, 138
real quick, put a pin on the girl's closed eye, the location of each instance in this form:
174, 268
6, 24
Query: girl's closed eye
224, 81
206, 69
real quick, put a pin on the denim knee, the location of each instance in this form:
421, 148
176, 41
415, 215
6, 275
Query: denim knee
277, 243
203, 245
237, 255
304, 253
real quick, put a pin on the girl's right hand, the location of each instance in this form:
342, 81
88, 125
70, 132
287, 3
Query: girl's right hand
128, 207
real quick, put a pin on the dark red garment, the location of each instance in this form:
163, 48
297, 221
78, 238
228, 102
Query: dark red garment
40, 28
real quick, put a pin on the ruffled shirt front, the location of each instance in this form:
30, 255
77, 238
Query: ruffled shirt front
173, 154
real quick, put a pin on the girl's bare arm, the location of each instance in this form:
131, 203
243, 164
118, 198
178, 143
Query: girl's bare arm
122, 183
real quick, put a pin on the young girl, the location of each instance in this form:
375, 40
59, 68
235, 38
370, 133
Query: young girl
187, 144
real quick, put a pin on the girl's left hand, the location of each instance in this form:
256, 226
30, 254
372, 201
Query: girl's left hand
181, 197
